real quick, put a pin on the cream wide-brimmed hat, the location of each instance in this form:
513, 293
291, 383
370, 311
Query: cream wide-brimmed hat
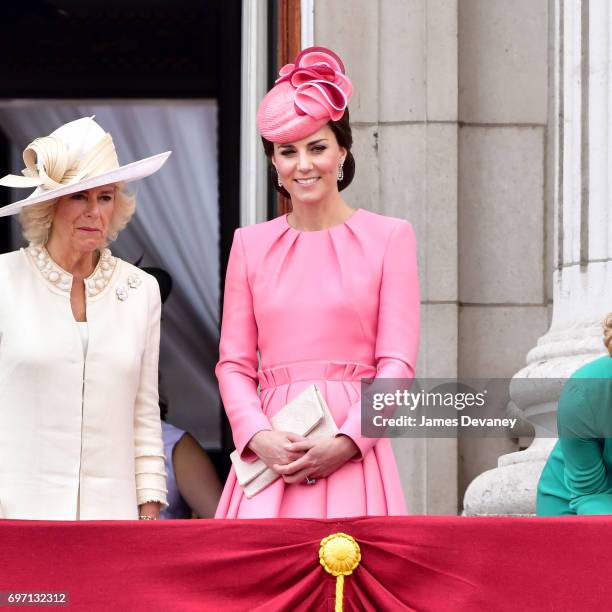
77, 156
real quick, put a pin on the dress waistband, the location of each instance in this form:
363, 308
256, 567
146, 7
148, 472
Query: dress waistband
314, 370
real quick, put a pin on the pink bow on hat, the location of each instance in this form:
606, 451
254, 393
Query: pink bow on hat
322, 89
317, 91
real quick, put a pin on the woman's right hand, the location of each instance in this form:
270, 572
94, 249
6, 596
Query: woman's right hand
271, 447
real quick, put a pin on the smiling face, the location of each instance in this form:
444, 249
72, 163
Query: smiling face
81, 220
308, 168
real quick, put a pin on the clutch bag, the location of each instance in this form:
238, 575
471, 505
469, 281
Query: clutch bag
306, 415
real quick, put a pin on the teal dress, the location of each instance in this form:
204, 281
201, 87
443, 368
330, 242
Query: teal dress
577, 478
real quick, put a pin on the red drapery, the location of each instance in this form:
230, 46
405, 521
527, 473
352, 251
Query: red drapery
408, 563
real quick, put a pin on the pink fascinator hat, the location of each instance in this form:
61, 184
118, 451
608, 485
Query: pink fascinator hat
307, 94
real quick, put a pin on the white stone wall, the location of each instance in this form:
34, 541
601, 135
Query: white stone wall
578, 190
449, 118
503, 263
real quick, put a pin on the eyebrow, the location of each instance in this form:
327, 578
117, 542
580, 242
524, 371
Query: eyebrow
309, 144
101, 192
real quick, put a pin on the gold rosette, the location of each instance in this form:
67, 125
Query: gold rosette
339, 554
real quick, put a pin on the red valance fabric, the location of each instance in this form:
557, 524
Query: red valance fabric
408, 563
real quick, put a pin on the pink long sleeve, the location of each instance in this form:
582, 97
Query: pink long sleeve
237, 367
397, 338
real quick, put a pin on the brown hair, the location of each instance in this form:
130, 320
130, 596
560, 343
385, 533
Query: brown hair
344, 136
607, 329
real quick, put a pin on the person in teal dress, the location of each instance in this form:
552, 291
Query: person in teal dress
577, 478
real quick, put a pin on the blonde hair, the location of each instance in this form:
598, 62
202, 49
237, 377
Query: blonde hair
36, 220
607, 330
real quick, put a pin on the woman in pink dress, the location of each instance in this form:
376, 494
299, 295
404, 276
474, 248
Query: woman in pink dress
326, 295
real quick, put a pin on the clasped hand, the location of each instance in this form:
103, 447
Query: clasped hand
295, 458
272, 447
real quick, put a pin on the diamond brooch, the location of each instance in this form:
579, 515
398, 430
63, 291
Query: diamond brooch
133, 282
122, 293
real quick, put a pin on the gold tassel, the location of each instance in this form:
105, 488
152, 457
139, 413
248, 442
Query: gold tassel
339, 554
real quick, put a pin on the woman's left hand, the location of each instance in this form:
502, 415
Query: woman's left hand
322, 457
150, 510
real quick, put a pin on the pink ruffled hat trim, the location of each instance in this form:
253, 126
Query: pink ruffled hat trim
308, 94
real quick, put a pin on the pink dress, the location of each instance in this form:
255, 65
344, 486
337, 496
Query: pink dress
327, 307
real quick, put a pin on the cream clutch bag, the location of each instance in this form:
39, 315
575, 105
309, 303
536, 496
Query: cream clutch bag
306, 415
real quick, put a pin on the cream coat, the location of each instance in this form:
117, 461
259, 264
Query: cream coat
80, 438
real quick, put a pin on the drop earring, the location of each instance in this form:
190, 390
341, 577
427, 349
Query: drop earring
341, 171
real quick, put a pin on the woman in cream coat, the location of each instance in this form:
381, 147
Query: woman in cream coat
80, 433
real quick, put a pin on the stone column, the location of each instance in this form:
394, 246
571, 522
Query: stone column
402, 58
578, 184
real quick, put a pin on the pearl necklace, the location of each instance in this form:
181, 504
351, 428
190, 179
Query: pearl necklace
58, 277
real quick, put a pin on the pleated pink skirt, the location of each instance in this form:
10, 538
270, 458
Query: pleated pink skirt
368, 487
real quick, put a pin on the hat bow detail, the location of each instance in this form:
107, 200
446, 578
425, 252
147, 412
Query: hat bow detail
50, 163
322, 88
